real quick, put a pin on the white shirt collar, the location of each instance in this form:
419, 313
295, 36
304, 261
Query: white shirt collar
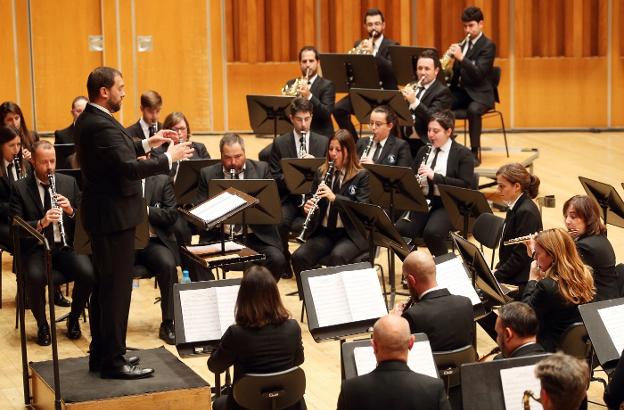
99, 107
511, 205
446, 147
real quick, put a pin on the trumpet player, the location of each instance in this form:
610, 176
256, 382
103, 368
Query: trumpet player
332, 236
471, 83
382, 146
148, 124
31, 200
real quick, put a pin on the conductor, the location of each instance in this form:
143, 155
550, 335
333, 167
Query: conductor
112, 207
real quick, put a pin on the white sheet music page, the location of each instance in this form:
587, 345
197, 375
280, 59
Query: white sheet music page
452, 275
613, 320
420, 359
330, 300
218, 206
364, 294
201, 315
365, 360
226, 299
515, 381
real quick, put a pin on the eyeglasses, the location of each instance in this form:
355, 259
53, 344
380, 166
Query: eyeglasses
376, 124
179, 129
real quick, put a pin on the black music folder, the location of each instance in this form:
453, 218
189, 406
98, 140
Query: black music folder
203, 311
218, 208
342, 300
604, 322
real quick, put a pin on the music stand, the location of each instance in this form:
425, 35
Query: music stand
185, 185
404, 62
266, 212
350, 70
608, 354
299, 173
364, 102
463, 206
268, 115
63, 151
608, 199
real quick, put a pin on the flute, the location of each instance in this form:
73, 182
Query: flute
520, 239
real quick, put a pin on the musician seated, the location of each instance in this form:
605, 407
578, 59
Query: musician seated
148, 124
330, 234
516, 330
263, 239
392, 384
558, 283
161, 255
582, 219
66, 135
448, 163
446, 319
614, 393
264, 338
176, 121
563, 380
31, 200
383, 147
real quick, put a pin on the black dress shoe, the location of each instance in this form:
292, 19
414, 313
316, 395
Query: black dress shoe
133, 360
127, 372
167, 333
60, 299
43, 335
73, 327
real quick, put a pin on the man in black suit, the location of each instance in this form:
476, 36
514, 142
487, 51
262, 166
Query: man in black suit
516, 331
377, 45
66, 135
563, 381
31, 200
147, 125
262, 238
384, 148
392, 385
471, 85
161, 255
446, 319
111, 209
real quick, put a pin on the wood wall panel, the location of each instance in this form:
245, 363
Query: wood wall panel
23, 60
8, 86
617, 66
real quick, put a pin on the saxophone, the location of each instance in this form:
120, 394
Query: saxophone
315, 205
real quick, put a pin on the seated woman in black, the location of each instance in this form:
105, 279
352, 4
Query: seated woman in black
11, 115
446, 162
263, 340
582, 219
558, 283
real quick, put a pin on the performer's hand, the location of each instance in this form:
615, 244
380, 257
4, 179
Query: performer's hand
398, 309
409, 94
367, 45
306, 155
456, 51
52, 215
366, 160
307, 207
535, 273
530, 245
325, 192
304, 91
64, 204
180, 151
162, 137
426, 171
26, 154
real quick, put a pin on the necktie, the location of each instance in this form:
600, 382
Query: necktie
420, 92
48, 232
332, 217
433, 164
377, 152
152, 130
469, 46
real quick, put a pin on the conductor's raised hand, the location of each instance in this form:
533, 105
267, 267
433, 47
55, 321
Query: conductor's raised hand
180, 151
163, 137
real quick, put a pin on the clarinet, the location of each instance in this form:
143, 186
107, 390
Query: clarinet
54, 203
315, 206
420, 178
17, 164
368, 148
302, 153
232, 176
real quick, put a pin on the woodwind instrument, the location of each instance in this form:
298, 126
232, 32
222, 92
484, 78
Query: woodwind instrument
17, 164
368, 148
315, 205
420, 178
54, 203
302, 153
520, 239
232, 176
409, 303
492, 352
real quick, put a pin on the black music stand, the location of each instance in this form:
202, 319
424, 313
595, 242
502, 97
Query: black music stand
350, 70
63, 151
607, 353
185, 185
266, 211
75, 173
364, 102
404, 62
268, 114
463, 206
299, 173
608, 199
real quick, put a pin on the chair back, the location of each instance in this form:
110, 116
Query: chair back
449, 362
575, 341
495, 77
487, 230
270, 390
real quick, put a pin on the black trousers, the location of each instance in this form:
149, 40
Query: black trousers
275, 259
474, 110
5, 236
342, 113
69, 266
113, 259
160, 262
292, 220
433, 227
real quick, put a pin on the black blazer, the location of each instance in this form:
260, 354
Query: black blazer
392, 385
162, 213
459, 166
64, 136
284, 147
199, 151
268, 349
531, 349
614, 393
436, 98
514, 262
596, 251
554, 314
475, 70
136, 132
323, 99
446, 319
384, 63
394, 152
112, 200
253, 170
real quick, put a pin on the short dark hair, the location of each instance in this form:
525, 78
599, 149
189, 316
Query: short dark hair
472, 13
587, 209
259, 303
445, 118
300, 104
151, 99
565, 379
373, 12
309, 48
101, 77
80, 97
229, 139
391, 117
432, 54
520, 317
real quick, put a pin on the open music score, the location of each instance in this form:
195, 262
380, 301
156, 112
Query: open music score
613, 319
419, 359
220, 205
515, 381
451, 275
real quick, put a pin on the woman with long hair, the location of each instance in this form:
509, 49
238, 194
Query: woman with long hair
264, 338
11, 114
582, 219
558, 283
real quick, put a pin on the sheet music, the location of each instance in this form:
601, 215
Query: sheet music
365, 360
218, 206
452, 275
226, 299
330, 300
201, 314
214, 248
364, 295
419, 359
515, 381
613, 319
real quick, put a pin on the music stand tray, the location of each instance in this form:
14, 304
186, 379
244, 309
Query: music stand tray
221, 215
350, 70
463, 206
268, 114
607, 198
185, 185
267, 209
608, 354
405, 60
299, 173
365, 100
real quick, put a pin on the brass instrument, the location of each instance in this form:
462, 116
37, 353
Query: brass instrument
54, 203
447, 60
492, 352
368, 148
415, 85
520, 239
526, 398
315, 205
293, 89
359, 49
17, 164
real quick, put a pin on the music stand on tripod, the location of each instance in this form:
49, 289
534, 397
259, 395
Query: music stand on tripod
463, 206
405, 60
350, 70
299, 173
364, 102
608, 199
267, 114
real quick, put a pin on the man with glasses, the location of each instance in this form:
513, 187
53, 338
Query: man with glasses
384, 148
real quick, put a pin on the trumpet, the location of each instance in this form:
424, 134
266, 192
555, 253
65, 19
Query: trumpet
17, 164
520, 239
315, 205
54, 203
447, 59
293, 89
359, 49
368, 147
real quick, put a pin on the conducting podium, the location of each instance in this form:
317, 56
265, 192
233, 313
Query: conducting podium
268, 114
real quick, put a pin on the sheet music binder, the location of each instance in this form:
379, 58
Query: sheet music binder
209, 224
184, 347
605, 349
335, 331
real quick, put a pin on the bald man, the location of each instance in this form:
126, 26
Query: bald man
446, 319
392, 384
